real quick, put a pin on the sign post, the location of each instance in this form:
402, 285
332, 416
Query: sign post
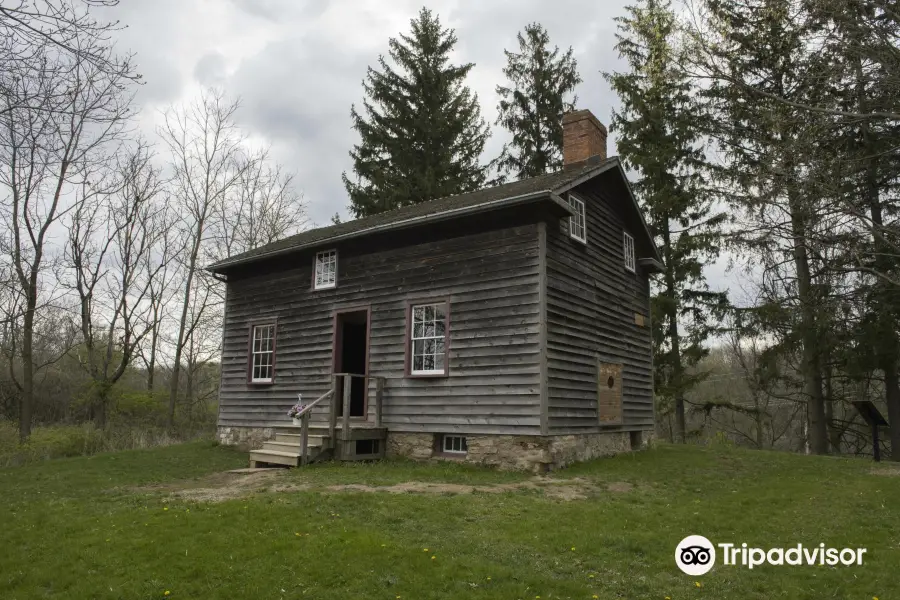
871, 415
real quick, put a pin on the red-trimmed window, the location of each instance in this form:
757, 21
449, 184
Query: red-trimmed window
428, 325
262, 353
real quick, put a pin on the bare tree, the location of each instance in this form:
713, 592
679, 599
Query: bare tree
26, 26
263, 207
205, 144
58, 116
112, 234
163, 287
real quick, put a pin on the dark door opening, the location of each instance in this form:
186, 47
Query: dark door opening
351, 356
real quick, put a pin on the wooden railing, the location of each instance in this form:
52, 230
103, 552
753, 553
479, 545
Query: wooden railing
304, 425
344, 383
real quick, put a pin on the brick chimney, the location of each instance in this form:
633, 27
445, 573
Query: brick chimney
584, 137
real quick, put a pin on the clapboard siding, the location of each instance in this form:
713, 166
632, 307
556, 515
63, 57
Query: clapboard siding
591, 303
488, 269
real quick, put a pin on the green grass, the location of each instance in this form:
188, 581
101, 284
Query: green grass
97, 527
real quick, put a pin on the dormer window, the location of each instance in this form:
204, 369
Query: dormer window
578, 221
326, 270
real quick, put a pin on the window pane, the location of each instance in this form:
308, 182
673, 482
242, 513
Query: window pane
427, 337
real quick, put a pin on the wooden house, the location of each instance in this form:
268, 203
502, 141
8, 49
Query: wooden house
506, 326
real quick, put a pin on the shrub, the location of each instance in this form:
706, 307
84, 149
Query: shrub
57, 441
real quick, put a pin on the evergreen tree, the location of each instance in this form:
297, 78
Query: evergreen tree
531, 107
857, 61
756, 56
421, 129
658, 138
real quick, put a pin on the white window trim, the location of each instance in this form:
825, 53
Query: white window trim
576, 202
463, 444
412, 339
628, 249
325, 255
254, 353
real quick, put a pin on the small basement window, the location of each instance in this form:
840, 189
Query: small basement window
454, 444
578, 221
629, 252
326, 270
367, 446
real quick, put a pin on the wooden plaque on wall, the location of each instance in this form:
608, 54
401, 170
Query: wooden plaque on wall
609, 392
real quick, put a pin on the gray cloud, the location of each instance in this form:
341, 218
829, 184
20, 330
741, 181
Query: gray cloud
210, 70
297, 94
298, 66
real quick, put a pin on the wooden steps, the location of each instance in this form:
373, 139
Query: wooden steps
285, 450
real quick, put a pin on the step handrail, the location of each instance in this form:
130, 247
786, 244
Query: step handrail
309, 406
344, 403
304, 426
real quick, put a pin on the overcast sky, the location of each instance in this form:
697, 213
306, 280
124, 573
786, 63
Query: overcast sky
298, 66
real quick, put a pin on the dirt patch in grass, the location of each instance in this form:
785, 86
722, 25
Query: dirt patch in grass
890, 471
619, 486
240, 483
219, 487
567, 489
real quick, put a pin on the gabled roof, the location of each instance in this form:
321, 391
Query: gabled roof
546, 187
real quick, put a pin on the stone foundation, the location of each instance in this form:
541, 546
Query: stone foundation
534, 453
516, 452
247, 438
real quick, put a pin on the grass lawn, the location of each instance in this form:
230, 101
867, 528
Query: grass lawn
109, 526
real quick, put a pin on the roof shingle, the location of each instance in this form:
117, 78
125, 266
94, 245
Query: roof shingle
548, 182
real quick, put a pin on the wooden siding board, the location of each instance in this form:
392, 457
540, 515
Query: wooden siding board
591, 301
491, 276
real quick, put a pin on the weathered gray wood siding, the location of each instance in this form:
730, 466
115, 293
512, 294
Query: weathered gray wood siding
487, 268
591, 302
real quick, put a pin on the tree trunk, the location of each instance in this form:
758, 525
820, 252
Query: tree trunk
674, 336
834, 433
151, 364
892, 397
182, 325
26, 405
811, 368
888, 346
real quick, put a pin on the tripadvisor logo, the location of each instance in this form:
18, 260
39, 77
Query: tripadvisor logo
696, 555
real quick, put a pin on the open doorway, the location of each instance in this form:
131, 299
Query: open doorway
351, 355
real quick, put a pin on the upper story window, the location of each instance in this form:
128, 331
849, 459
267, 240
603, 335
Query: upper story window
326, 270
428, 339
262, 353
628, 245
578, 221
